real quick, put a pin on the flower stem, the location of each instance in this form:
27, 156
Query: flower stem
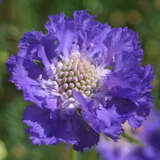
74, 155
132, 139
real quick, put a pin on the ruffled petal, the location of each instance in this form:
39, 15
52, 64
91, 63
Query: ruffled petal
63, 30
50, 128
101, 119
25, 74
130, 85
32, 44
29, 44
122, 41
90, 36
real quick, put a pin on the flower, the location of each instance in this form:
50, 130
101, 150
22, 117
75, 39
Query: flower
84, 78
149, 134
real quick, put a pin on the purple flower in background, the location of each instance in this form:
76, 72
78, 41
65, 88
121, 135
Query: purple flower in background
84, 78
110, 150
122, 150
150, 135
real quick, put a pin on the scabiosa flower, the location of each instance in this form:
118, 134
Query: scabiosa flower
84, 77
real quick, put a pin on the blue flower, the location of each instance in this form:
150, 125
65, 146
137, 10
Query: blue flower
84, 77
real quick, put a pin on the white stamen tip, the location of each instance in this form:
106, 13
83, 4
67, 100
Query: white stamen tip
83, 87
78, 84
65, 85
69, 92
71, 73
71, 85
87, 93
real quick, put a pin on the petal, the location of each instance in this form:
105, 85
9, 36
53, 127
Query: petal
101, 119
31, 39
124, 106
129, 86
90, 36
44, 59
29, 43
123, 41
37, 46
63, 30
25, 74
50, 128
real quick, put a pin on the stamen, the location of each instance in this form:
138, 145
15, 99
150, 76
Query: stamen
76, 73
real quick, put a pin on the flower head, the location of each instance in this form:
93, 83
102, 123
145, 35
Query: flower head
84, 77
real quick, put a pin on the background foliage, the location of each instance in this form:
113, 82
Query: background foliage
19, 16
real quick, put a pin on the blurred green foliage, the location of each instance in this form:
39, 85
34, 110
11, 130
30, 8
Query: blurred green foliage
19, 16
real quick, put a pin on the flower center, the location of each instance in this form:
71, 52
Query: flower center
76, 73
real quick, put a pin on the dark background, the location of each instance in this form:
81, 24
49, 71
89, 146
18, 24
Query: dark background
19, 16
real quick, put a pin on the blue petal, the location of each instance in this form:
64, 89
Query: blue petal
101, 119
123, 41
25, 75
63, 30
129, 87
50, 128
90, 35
